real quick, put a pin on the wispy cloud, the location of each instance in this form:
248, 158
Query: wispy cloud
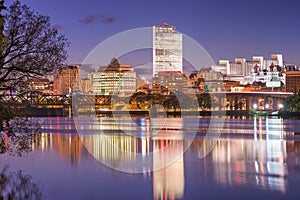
109, 20
98, 18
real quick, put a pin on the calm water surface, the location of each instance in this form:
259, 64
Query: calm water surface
253, 159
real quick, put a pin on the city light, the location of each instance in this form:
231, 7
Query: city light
255, 106
267, 106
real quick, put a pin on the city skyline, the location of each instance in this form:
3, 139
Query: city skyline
225, 29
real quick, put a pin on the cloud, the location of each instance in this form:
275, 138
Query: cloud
109, 20
98, 18
58, 27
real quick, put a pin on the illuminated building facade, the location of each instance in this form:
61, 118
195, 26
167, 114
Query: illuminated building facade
66, 81
272, 77
86, 85
40, 84
115, 79
292, 80
166, 82
242, 70
167, 49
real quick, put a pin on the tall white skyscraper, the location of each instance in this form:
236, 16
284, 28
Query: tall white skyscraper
167, 49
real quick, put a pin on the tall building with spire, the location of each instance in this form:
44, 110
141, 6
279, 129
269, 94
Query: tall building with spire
167, 49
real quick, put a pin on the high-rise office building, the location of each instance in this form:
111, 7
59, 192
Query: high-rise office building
167, 49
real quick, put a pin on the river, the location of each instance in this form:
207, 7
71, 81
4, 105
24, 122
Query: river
252, 158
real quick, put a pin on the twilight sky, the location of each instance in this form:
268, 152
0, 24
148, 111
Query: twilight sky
225, 28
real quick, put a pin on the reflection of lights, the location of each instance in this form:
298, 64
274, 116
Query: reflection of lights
255, 106
142, 122
144, 171
255, 128
267, 106
168, 182
144, 146
256, 167
268, 169
260, 128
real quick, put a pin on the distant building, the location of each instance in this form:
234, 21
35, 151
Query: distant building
67, 80
258, 61
167, 49
278, 58
224, 69
195, 79
40, 84
242, 70
273, 77
142, 85
292, 77
115, 79
227, 68
209, 74
87, 85
243, 63
291, 67
167, 82
236, 69
203, 79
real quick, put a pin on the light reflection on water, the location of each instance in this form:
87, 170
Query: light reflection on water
256, 160
251, 162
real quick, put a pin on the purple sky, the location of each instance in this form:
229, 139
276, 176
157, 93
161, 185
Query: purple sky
225, 28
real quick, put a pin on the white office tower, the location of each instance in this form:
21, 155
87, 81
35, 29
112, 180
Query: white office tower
226, 64
167, 49
279, 59
259, 61
242, 62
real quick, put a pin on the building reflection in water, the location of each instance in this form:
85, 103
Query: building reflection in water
68, 146
168, 182
237, 160
260, 160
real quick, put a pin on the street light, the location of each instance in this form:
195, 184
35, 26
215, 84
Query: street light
267, 106
255, 106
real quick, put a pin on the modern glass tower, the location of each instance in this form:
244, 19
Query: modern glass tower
167, 49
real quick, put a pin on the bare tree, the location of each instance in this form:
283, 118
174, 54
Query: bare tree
30, 46
18, 185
